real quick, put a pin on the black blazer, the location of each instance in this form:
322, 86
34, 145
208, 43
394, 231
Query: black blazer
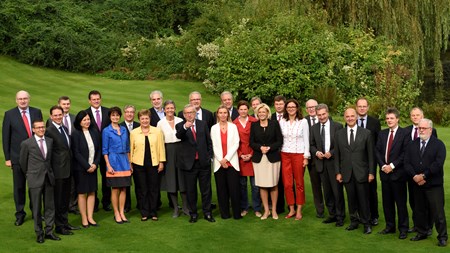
270, 136
358, 159
395, 156
154, 118
189, 146
72, 120
316, 144
105, 118
207, 116
431, 163
374, 126
61, 153
33, 164
80, 149
410, 129
14, 132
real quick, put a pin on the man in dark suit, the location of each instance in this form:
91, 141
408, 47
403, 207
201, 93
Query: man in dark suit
194, 159
424, 163
61, 165
129, 112
195, 99
17, 128
68, 119
322, 150
416, 114
355, 168
100, 120
157, 111
227, 100
372, 124
390, 149
35, 162
314, 177
278, 102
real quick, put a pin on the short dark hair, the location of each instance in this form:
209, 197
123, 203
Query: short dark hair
279, 98
78, 118
144, 112
393, 110
298, 115
63, 98
94, 92
56, 107
36, 121
241, 103
114, 109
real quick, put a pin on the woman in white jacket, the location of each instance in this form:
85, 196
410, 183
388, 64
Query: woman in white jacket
225, 140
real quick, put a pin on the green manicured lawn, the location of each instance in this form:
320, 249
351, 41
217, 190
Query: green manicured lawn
171, 235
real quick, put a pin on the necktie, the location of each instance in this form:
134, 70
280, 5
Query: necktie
66, 122
422, 149
415, 133
41, 147
352, 138
26, 123
130, 127
196, 116
98, 120
63, 135
362, 122
279, 117
389, 146
313, 120
322, 136
195, 138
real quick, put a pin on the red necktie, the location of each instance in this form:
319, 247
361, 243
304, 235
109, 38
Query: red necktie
415, 133
391, 139
195, 138
279, 117
26, 123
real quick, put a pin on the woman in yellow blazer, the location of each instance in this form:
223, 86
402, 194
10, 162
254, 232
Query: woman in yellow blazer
147, 157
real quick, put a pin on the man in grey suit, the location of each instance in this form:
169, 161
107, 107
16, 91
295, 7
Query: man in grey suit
322, 150
61, 165
35, 161
354, 164
17, 128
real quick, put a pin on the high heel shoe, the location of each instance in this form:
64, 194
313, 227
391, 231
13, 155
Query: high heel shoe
118, 222
85, 226
264, 217
94, 224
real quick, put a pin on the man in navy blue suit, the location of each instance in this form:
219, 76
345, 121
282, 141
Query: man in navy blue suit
17, 128
424, 163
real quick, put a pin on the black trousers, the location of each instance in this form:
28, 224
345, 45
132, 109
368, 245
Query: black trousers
394, 196
147, 181
432, 197
411, 185
316, 182
358, 201
44, 193
202, 175
106, 191
62, 200
333, 192
228, 189
373, 198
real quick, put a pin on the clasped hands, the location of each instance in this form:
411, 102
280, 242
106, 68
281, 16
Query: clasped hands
321, 155
419, 179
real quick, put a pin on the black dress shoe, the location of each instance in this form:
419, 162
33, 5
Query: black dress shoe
193, 219
85, 226
418, 237
19, 221
52, 236
374, 222
40, 238
329, 220
429, 232
127, 209
387, 231
70, 227
412, 230
339, 223
367, 229
320, 215
213, 206
63, 231
442, 243
402, 235
209, 218
352, 227
107, 208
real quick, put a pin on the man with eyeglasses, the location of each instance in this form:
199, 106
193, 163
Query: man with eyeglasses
195, 99
424, 163
17, 128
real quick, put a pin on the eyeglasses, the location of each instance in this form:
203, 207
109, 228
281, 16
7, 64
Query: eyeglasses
423, 128
310, 107
189, 112
39, 127
291, 107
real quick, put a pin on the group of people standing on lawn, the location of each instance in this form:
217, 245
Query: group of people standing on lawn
175, 153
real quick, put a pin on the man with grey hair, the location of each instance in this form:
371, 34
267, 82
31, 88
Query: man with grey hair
157, 111
322, 150
227, 100
316, 184
195, 99
129, 112
424, 163
17, 128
